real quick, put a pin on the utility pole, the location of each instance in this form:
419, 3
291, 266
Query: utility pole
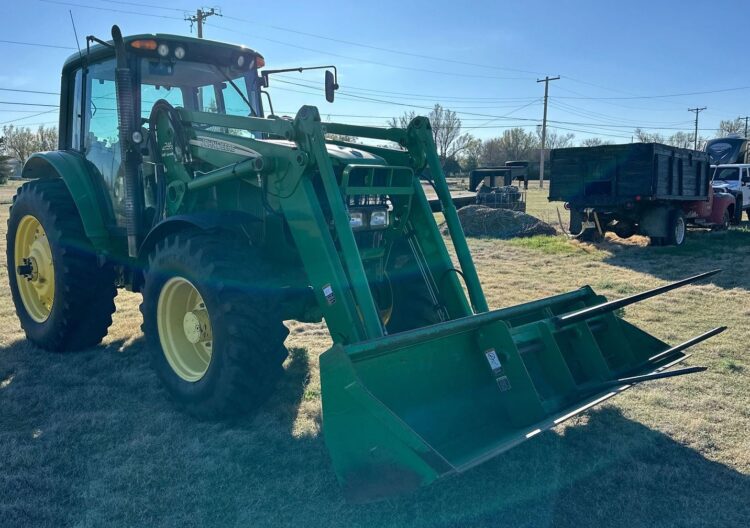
200, 16
745, 118
546, 81
697, 111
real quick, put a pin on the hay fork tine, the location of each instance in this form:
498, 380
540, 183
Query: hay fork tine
586, 313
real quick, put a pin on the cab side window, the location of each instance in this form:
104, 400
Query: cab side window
100, 142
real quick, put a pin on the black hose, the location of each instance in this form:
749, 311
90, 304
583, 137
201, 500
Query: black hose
130, 156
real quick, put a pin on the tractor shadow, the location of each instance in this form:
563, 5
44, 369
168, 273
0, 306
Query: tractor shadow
608, 471
702, 251
90, 438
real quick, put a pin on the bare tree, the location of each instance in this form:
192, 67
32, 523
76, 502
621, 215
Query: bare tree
403, 120
21, 143
731, 126
647, 137
681, 140
446, 131
555, 140
594, 142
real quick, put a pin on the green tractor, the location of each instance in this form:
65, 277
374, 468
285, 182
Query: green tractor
173, 180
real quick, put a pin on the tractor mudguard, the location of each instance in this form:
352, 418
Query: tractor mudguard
242, 223
90, 201
403, 410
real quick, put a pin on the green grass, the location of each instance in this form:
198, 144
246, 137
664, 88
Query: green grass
89, 439
550, 245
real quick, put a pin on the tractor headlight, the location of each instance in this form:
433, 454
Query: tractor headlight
356, 219
163, 50
379, 219
179, 52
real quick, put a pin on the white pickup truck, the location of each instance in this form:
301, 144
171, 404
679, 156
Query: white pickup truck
734, 179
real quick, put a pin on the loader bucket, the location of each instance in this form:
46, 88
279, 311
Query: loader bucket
403, 410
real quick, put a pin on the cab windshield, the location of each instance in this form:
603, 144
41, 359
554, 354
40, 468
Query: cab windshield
199, 87
727, 174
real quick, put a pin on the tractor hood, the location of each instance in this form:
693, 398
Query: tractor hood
340, 154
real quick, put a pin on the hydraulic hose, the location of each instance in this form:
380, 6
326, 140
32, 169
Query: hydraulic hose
130, 155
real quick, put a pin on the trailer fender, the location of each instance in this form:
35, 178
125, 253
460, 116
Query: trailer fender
654, 221
71, 167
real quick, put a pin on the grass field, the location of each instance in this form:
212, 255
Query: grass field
89, 439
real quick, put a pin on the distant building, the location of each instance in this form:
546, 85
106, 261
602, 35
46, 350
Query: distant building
16, 167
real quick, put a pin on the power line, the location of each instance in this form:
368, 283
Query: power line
342, 41
109, 9
27, 91
36, 44
663, 96
150, 6
27, 104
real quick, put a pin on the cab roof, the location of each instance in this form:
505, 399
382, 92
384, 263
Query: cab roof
98, 51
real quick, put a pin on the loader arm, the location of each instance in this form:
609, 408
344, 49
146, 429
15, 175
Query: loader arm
403, 409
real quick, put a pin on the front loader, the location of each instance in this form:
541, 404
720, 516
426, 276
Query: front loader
172, 180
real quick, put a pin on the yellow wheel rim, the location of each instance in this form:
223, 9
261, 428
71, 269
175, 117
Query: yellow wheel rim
35, 271
184, 329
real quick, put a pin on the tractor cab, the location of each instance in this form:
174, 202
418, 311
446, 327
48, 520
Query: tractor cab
187, 73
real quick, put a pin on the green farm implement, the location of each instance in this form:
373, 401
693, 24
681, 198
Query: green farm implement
172, 180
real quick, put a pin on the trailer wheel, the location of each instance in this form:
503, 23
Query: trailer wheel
63, 299
676, 228
213, 323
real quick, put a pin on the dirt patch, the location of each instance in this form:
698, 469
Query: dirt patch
478, 220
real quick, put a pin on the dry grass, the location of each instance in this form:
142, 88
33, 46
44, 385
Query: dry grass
88, 439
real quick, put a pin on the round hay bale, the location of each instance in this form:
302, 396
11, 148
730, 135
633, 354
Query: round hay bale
478, 221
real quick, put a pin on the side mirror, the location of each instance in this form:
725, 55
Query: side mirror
331, 86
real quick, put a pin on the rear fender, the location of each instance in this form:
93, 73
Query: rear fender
87, 195
243, 224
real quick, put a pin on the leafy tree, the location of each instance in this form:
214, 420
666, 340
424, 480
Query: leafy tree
5, 169
21, 143
472, 155
514, 144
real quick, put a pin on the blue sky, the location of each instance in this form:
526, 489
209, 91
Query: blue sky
479, 58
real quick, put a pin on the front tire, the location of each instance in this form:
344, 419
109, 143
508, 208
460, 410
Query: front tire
737, 217
213, 323
63, 298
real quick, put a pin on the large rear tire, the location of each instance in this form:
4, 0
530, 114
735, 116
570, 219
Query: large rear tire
63, 298
213, 323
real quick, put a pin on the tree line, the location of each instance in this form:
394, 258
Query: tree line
458, 150
463, 152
